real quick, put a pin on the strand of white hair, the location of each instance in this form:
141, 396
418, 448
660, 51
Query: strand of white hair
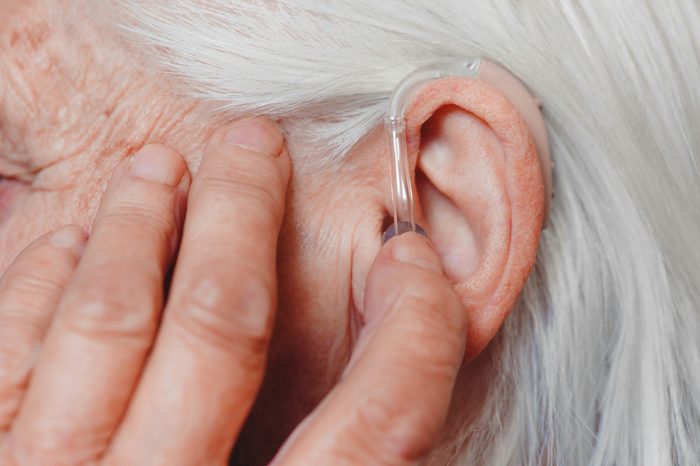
600, 361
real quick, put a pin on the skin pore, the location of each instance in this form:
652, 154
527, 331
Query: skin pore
75, 101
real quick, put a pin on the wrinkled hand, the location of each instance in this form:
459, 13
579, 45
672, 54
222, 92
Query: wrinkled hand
97, 368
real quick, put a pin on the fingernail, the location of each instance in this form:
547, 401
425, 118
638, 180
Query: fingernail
158, 163
412, 248
257, 135
69, 237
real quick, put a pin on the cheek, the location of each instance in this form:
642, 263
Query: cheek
15, 225
10, 191
314, 294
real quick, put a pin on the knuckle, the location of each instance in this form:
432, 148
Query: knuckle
138, 218
101, 307
16, 358
438, 321
433, 300
28, 282
247, 189
244, 174
39, 272
430, 324
57, 445
233, 315
385, 427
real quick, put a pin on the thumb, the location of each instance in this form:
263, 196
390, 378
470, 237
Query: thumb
402, 262
407, 289
394, 396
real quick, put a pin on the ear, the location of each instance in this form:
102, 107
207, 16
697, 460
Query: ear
480, 193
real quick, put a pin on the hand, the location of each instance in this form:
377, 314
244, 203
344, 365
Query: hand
97, 368
394, 395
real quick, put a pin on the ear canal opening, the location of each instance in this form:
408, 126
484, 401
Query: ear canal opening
386, 223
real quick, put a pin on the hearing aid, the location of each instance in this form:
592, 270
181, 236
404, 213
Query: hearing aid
404, 211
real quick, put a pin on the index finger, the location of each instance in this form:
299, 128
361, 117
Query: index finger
394, 396
210, 354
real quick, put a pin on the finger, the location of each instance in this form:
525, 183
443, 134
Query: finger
29, 293
105, 323
210, 356
394, 396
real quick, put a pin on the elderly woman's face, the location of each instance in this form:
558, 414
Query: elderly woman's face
74, 102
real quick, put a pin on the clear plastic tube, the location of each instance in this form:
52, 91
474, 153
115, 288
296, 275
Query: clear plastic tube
401, 180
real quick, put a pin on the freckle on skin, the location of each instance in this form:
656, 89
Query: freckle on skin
33, 36
14, 39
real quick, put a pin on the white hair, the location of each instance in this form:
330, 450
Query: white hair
599, 362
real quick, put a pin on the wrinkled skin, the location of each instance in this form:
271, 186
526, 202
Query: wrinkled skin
75, 101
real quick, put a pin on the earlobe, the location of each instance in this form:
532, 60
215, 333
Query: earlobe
481, 195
